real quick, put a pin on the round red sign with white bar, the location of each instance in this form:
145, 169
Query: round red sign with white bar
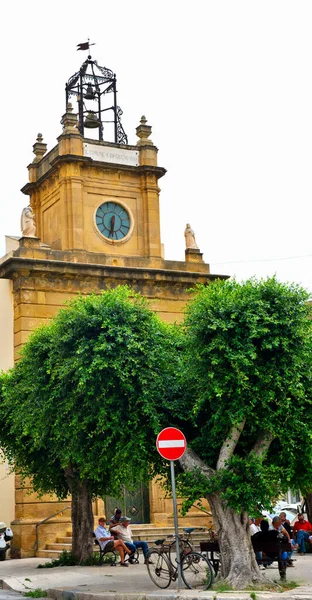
171, 443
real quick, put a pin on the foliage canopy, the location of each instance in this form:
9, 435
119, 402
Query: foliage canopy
86, 394
248, 374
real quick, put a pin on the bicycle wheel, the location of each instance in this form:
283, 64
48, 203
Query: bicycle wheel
159, 568
197, 571
184, 547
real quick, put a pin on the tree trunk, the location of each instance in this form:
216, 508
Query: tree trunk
308, 506
239, 567
238, 561
82, 517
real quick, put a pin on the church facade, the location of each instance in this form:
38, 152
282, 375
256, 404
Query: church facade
92, 222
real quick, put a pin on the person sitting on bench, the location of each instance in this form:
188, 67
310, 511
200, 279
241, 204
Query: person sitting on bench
108, 543
302, 532
270, 534
124, 533
277, 526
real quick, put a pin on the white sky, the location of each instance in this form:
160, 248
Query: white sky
226, 86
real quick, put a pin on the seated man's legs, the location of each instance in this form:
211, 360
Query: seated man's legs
144, 547
120, 547
289, 559
267, 559
302, 536
130, 547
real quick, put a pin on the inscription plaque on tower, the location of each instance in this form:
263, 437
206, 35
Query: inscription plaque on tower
120, 156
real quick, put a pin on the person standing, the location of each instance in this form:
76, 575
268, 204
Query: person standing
115, 520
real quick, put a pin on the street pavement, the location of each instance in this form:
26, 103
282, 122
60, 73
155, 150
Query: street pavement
8, 595
134, 583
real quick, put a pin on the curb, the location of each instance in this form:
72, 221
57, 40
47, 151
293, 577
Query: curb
58, 594
74, 595
5, 586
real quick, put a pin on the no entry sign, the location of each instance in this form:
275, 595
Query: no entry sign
171, 443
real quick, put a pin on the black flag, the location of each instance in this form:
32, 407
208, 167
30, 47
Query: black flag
84, 46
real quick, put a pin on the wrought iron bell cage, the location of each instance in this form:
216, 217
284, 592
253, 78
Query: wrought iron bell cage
93, 83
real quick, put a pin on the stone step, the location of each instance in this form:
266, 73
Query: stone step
158, 531
59, 547
166, 534
165, 530
48, 554
51, 552
144, 535
149, 533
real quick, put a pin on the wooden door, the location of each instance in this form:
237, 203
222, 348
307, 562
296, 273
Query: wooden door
133, 504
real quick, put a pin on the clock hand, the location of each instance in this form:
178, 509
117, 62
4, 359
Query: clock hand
112, 225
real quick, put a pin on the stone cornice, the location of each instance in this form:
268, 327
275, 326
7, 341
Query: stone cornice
14, 265
87, 161
28, 188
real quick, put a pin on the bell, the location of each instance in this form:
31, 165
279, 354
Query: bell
90, 94
91, 121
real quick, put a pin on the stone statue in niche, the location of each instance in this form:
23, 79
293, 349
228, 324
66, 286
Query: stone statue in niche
28, 226
190, 238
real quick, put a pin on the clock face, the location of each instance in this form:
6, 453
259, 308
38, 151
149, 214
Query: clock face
113, 221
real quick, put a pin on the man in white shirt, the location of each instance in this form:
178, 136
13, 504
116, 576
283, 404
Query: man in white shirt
277, 526
254, 526
124, 533
108, 542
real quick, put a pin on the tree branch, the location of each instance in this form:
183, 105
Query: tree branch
263, 443
229, 444
189, 461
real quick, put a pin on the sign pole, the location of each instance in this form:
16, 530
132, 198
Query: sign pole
176, 529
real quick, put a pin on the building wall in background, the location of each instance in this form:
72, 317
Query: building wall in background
7, 503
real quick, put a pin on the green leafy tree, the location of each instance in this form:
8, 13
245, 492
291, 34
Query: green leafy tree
79, 412
247, 407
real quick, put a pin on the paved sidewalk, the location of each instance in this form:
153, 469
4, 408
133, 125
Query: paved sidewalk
134, 583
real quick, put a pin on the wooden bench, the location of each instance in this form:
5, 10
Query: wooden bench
274, 548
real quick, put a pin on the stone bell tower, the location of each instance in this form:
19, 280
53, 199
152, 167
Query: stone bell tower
96, 210
97, 196
93, 195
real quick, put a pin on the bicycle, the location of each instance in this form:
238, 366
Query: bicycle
185, 543
196, 570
